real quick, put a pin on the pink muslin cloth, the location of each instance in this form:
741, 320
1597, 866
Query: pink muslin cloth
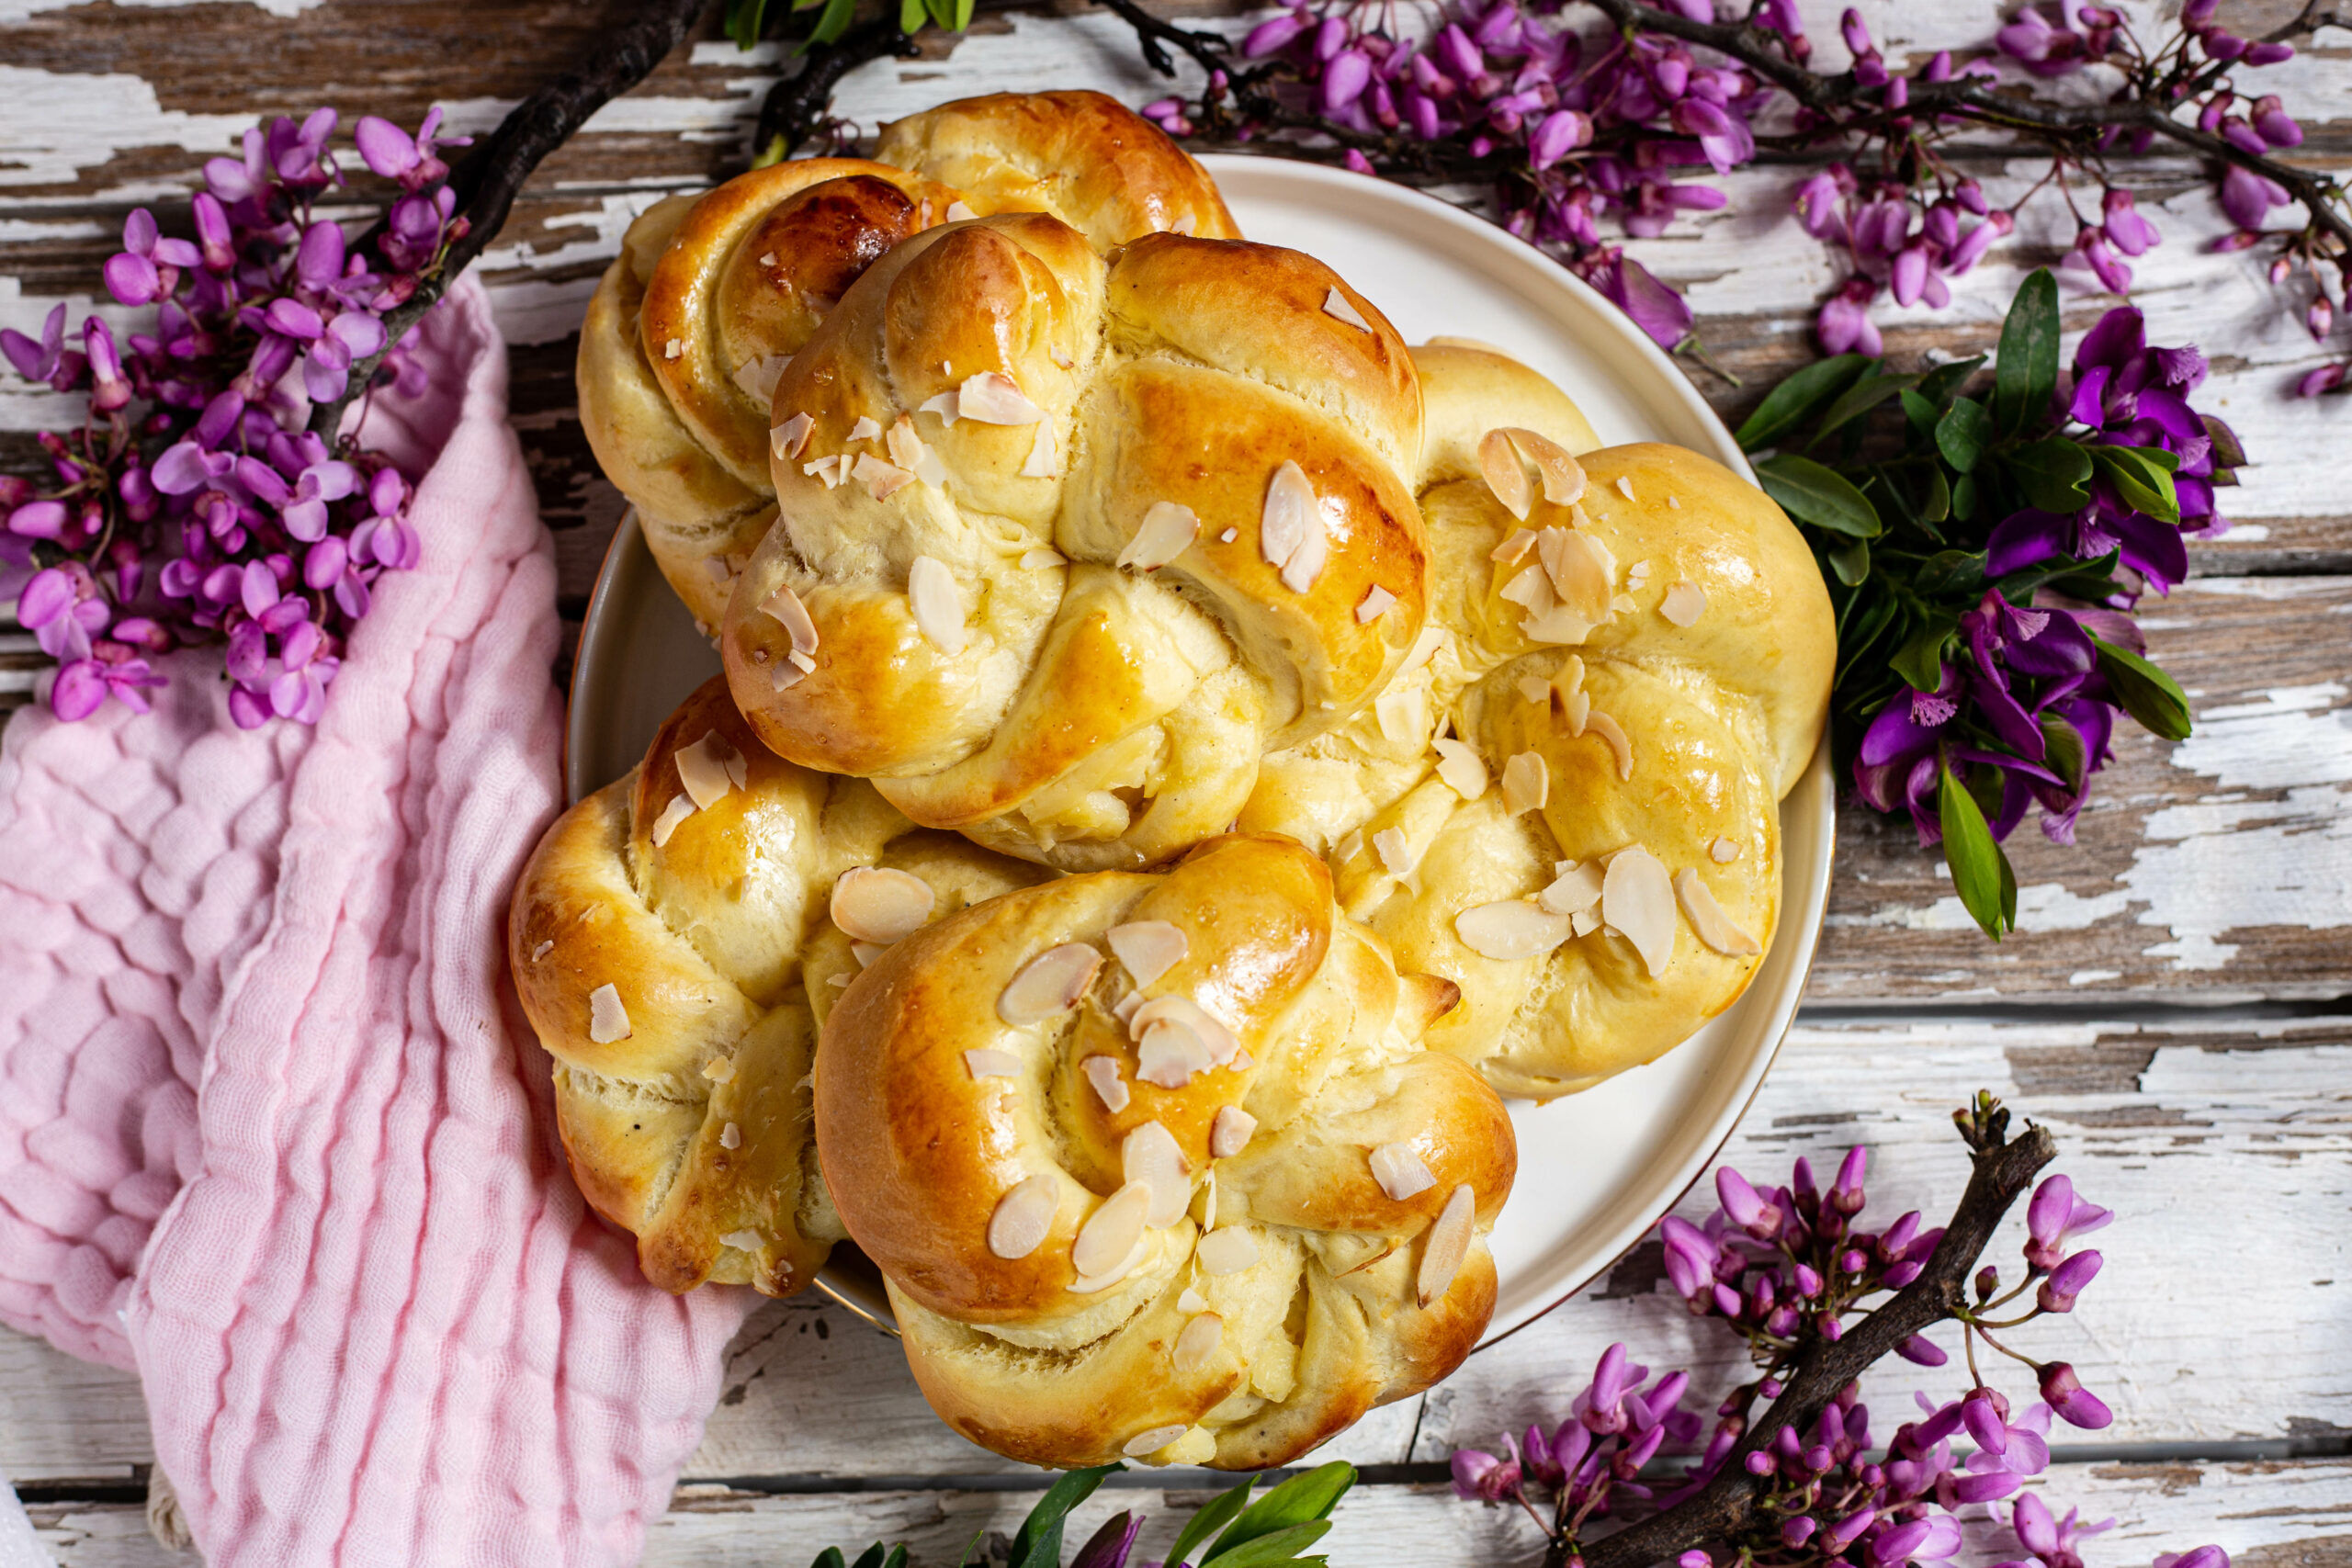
271, 1129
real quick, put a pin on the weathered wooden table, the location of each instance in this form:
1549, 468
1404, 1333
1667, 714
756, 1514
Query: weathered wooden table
2175, 1006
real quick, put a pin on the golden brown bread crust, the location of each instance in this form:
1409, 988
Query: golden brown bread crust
1720, 716
1097, 715
719, 950
691, 323
1021, 1353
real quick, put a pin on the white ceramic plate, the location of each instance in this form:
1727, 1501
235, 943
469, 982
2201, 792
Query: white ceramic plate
1598, 1169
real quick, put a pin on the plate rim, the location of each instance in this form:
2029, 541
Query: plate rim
1337, 187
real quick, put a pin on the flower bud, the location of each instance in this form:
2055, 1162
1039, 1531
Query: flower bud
2070, 1400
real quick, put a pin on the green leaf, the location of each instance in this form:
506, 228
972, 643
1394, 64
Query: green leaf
963, 14
2146, 692
2027, 371
2145, 483
1207, 1522
1937, 385
832, 21
1980, 872
2228, 453
871, 1556
1850, 561
743, 21
1858, 399
830, 1558
1936, 505
1278, 1546
1963, 497
910, 15
2089, 580
1949, 571
1856, 639
2063, 751
1920, 658
1812, 493
1963, 432
1039, 1543
1296, 1502
2056, 474
1920, 411
1789, 405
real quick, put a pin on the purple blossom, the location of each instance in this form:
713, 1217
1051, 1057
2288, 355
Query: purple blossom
2056, 1216
2070, 1400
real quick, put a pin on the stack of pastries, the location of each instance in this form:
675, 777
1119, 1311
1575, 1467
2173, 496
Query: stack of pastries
1183, 756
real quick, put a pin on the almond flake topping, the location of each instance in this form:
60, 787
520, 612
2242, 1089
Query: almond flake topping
1102, 1073
1582, 571
1511, 929
680, 806
607, 1019
730, 1136
1613, 734
1228, 1251
1674, 502
865, 953
1576, 889
1151, 1442
1223, 1047
1534, 688
989, 1062
828, 469
1148, 948
785, 607
1110, 1233
1169, 1054
1505, 473
542, 950
1624, 487
1514, 548
1290, 529
1684, 603
784, 674
959, 211
882, 479
1723, 851
801, 662
1403, 716
1166, 532
1197, 1343
1401, 1171
880, 904
1395, 851
907, 450
993, 398
768, 259
743, 1240
786, 439
1044, 459
1638, 574
1124, 1010
719, 1069
1149, 1155
1050, 984
1228, 535
1339, 307
1036, 561
937, 603
1461, 767
1023, 1217
1563, 476
1586, 922
1375, 605
709, 768
1448, 1244
1189, 1300
865, 429
1637, 902
1231, 1132
945, 405
671, 349
1527, 784
1715, 928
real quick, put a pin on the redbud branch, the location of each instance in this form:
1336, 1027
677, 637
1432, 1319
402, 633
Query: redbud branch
1730, 1503
488, 177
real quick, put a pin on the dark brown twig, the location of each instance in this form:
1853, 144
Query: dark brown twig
799, 107
488, 178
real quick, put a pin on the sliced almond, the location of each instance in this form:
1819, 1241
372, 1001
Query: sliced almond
1102, 1073
880, 904
828, 469
1125, 1008
1231, 1132
1023, 1217
1189, 1301
1425, 646
1684, 603
1527, 784
784, 674
1290, 527
1613, 735
680, 806
1638, 574
1506, 474
1375, 605
1563, 476
937, 603
1511, 929
1339, 307
1723, 851
1575, 890
1110, 1233
1169, 1054
1222, 1044
865, 429
1401, 1171
541, 950
1347, 849
800, 661
1147, 949
1197, 1343
1532, 589
703, 769
909, 451
1050, 984
719, 1069
1403, 716
785, 607
1228, 1251
1044, 459
1586, 922
947, 405
786, 439
1038, 560
1228, 535
1637, 902
744, 1240
1624, 487
865, 953
1461, 767
1395, 851
1167, 531
1715, 928
1088, 1284
993, 398
959, 211
881, 479
1149, 1155
1581, 570
1449, 1244
1534, 688
607, 1019
1151, 1442
730, 1136
987, 1062
1514, 548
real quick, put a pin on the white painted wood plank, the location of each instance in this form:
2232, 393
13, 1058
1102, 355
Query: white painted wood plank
2264, 1514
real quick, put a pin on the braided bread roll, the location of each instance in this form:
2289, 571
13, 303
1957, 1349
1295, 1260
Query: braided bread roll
712, 295
676, 958
1065, 548
1633, 675
1154, 1165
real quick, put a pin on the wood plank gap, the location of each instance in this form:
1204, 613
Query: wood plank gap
1833, 1012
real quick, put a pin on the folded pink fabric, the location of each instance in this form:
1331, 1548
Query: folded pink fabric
272, 1130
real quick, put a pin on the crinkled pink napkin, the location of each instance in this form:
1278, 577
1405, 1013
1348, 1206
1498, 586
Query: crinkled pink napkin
271, 1129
